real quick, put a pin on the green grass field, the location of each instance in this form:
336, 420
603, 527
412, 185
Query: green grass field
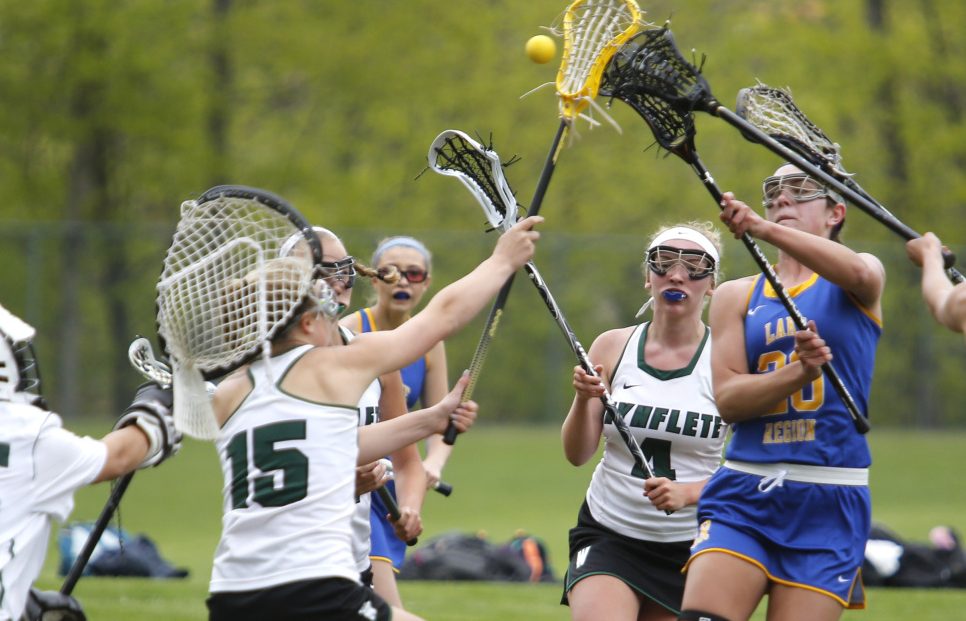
505, 479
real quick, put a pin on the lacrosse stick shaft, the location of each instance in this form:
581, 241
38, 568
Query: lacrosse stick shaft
847, 188
443, 488
95, 535
393, 508
610, 411
142, 359
489, 329
860, 421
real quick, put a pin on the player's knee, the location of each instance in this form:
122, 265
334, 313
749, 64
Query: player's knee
698, 615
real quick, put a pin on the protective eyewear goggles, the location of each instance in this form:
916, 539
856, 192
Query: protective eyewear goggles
413, 274
343, 270
697, 263
799, 186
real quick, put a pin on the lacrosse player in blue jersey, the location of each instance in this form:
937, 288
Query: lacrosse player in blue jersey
789, 512
426, 381
42, 465
947, 303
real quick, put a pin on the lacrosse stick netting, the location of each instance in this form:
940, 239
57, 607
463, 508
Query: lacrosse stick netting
773, 111
663, 72
479, 169
224, 292
674, 130
593, 31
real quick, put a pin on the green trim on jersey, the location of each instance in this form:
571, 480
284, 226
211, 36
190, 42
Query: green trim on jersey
675, 373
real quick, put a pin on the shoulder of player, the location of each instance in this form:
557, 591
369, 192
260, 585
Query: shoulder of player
611, 341
733, 292
352, 321
231, 391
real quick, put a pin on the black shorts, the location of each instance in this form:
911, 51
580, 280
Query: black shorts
333, 599
651, 569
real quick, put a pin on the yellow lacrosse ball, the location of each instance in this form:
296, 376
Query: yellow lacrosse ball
541, 49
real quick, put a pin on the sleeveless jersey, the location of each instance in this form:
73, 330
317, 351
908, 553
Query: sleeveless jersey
41, 465
813, 425
673, 417
413, 375
289, 493
368, 415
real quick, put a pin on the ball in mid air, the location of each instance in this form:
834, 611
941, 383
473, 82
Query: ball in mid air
541, 49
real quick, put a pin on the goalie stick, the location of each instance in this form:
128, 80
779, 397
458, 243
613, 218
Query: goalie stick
141, 356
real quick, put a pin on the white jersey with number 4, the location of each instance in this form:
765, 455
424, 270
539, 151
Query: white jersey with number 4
289, 493
41, 466
673, 417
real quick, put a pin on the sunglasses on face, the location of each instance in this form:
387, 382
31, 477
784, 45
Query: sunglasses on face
343, 270
413, 274
697, 263
799, 186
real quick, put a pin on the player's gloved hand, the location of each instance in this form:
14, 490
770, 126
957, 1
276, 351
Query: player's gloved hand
151, 412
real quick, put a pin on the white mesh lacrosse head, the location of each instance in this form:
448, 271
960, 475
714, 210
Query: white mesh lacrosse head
593, 31
479, 169
774, 112
141, 355
224, 291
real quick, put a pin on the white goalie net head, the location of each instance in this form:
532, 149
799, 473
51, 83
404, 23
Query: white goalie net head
224, 293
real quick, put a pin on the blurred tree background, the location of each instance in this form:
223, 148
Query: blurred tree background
115, 111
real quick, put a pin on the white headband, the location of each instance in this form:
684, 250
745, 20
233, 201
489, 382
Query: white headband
689, 234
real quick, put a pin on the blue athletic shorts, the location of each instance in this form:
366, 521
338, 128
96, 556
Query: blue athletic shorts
804, 535
386, 546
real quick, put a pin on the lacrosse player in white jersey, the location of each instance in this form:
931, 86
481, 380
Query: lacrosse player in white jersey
633, 534
42, 464
289, 441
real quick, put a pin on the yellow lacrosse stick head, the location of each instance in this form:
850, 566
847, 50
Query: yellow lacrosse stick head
593, 32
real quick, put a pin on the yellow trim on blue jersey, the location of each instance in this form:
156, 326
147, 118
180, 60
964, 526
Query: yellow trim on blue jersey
756, 563
867, 312
384, 559
769, 292
372, 320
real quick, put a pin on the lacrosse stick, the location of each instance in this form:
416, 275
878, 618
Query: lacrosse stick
94, 537
225, 291
391, 506
660, 70
142, 358
674, 130
774, 112
479, 169
593, 30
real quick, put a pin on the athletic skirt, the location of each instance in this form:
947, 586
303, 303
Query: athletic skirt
801, 534
651, 569
333, 599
